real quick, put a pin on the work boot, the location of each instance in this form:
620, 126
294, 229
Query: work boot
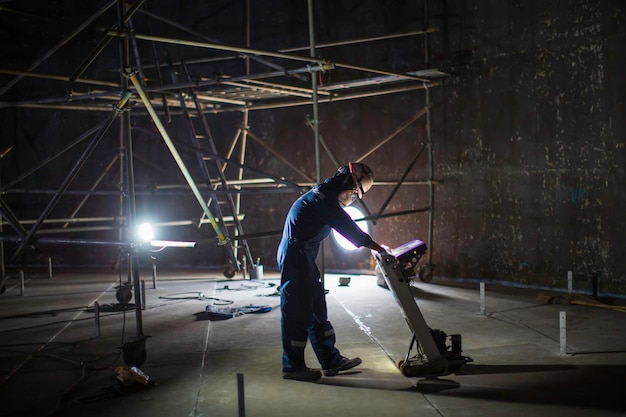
303, 374
343, 365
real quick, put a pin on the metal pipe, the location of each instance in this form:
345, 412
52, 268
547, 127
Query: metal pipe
12, 220
57, 77
279, 156
322, 141
258, 76
53, 157
394, 214
76, 229
103, 108
273, 88
378, 71
201, 36
103, 43
231, 147
213, 45
209, 45
42, 104
244, 142
482, 298
180, 189
93, 187
563, 332
241, 402
276, 179
316, 130
363, 40
71, 241
96, 315
431, 177
396, 132
143, 294
431, 168
334, 98
399, 183
134, 261
136, 54
70, 97
73, 220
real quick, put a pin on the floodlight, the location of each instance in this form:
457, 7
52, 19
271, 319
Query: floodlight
146, 234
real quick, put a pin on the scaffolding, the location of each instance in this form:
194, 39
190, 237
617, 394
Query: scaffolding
185, 89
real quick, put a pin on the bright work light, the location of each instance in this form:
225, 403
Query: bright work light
354, 213
146, 234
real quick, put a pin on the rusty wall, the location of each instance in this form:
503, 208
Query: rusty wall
531, 144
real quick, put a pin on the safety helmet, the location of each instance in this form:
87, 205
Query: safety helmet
363, 177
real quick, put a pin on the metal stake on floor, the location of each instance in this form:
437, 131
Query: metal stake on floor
21, 282
143, 294
570, 286
154, 277
563, 332
49, 267
240, 396
482, 298
96, 314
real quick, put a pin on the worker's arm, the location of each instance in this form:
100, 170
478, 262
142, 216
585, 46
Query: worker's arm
375, 246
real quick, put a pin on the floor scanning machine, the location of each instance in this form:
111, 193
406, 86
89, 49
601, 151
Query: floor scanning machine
433, 354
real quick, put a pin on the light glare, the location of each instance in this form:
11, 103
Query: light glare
354, 213
146, 233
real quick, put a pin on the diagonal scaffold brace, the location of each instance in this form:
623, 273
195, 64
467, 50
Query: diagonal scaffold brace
132, 75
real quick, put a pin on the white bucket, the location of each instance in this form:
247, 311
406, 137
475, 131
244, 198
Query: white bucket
256, 272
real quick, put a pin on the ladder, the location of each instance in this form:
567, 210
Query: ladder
200, 136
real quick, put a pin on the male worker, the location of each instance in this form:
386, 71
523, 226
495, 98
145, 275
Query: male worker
303, 303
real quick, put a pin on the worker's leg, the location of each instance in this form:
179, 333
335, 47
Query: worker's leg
322, 333
296, 310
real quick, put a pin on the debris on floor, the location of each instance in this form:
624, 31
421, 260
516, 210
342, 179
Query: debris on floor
230, 312
579, 300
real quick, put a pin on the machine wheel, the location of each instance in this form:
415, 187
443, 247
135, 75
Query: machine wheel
426, 273
229, 270
404, 368
124, 294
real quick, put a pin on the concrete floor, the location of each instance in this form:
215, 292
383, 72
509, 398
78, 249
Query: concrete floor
52, 363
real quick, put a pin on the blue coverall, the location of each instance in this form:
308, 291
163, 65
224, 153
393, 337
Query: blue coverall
303, 302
